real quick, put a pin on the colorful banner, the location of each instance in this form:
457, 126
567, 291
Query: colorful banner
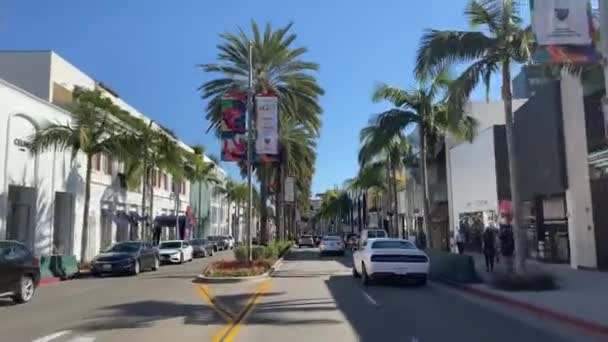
234, 147
234, 113
564, 30
267, 125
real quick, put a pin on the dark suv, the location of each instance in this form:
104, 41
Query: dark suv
19, 271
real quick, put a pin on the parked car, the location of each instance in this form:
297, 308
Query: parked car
126, 257
19, 271
390, 258
220, 242
175, 251
372, 234
231, 242
202, 247
331, 244
306, 240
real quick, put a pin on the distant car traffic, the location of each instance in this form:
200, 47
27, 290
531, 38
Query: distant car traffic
175, 251
352, 241
202, 247
126, 257
317, 239
220, 242
372, 234
390, 258
306, 240
230, 241
19, 271
331, 244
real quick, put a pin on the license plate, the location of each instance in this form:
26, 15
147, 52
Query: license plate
402, 270
106, 267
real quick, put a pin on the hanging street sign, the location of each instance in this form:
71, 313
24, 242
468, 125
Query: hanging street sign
290, 185
267, 125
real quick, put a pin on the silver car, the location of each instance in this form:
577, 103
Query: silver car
332, 244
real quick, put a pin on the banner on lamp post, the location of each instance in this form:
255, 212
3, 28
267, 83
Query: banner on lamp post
234, 147
290, 184
267, 125
561, 22
564, 31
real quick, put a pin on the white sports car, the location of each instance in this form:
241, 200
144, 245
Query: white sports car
385, 257
175, 251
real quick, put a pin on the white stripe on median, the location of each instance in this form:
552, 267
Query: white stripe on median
52, 336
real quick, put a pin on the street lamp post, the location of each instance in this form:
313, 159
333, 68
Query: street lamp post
249, 150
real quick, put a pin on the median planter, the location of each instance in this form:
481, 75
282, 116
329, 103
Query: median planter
45, 267
266, 259
452, 267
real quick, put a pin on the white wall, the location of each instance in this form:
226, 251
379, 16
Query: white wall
20, 114
28, 70
578, 195
473, 176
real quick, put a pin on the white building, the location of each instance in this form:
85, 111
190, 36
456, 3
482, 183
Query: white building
42, 197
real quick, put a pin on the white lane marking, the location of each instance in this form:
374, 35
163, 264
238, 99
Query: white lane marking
82, 339
369, 298
52, 336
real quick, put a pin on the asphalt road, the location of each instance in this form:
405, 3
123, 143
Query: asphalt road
154, 306
308, 299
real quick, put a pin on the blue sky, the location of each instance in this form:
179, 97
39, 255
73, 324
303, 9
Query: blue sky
147, 52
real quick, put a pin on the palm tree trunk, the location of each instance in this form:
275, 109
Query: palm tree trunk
263, 208
84, 239
519, 233
281, 203
143, 201
396, 230
151, 202
425, 186
200, 216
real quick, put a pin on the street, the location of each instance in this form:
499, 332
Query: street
309, 298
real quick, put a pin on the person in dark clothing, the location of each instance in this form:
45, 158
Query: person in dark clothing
489, 247
507, 245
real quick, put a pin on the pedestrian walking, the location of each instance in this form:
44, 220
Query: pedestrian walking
460, 240
489, 247
507, 245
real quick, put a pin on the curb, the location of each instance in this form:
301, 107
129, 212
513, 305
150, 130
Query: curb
578, 323
50, 280
218, 280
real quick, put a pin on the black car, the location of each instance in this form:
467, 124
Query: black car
202, 247
220, 242
129, 257
19, 271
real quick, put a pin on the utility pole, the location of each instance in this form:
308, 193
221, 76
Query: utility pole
250, 95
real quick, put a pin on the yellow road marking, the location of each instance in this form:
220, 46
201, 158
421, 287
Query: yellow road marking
205, 293
231, 330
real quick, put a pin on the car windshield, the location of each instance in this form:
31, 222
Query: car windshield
212, 238
376, 234
331, 238
125, 247
393, 244
306, 237
173, 244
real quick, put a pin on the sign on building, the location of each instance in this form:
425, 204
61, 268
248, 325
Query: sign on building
561, 22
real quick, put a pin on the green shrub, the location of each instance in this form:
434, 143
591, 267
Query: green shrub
240, 253
524, 282
258, 252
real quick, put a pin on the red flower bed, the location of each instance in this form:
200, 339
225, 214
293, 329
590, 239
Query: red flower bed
237, 268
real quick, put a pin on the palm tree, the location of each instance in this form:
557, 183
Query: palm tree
297, 160
388, 151
277, 69
93, 129
371, 177
424, 108
502, 42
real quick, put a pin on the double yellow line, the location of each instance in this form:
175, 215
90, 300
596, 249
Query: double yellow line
232, 328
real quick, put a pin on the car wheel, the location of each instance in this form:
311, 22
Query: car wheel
26, 290
156, 264
211, 253
136, 267
364, 276
355, 273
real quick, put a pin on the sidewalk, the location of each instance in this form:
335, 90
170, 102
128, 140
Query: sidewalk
581, 295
